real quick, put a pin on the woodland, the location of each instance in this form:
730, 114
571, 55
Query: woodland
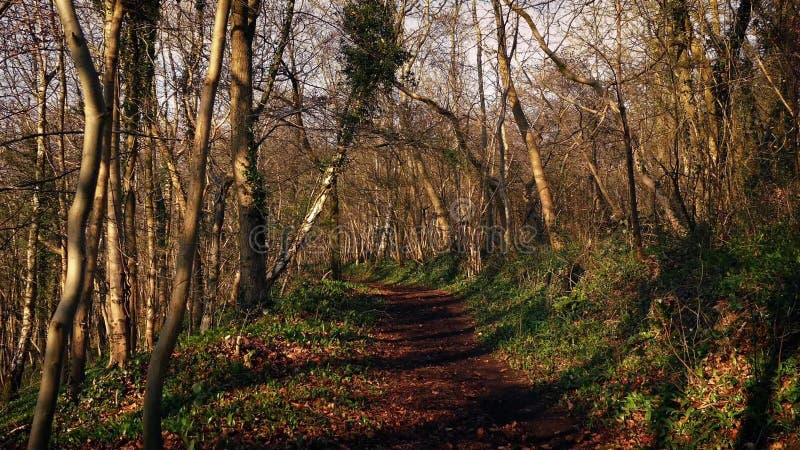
399, 224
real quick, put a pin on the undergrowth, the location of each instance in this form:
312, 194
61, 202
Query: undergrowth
695, 347
291, 377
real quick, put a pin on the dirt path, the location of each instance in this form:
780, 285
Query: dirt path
443, 389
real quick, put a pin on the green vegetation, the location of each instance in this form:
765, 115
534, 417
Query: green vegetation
694, 348
292, 376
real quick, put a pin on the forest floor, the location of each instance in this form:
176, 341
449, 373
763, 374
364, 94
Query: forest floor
522, 356
413, 375
442, 388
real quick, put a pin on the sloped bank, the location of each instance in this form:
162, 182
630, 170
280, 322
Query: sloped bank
694, 347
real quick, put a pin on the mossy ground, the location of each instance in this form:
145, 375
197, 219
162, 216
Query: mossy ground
292, 376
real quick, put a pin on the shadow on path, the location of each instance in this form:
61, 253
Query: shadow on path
443, 389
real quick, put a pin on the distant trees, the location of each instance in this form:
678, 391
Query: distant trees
370, 58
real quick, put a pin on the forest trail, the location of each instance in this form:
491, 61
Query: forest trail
443, 389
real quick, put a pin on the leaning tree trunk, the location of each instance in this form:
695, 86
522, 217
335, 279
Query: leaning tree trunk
442, 215
159, 360
526, 130
61, 322
326, 185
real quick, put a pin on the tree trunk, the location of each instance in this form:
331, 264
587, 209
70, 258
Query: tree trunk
244, 154
525, 129
197, 297
80, 329
383, 241
633, 209
61, 322
118, 316
159, 360
335, 241
151, 296
502, 188
214, 258
17, 366
442, 214
138, 62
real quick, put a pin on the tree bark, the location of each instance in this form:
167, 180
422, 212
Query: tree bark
80, 329
526, 130
151, 296
214, 258
61, 322
335, 241
115, 267
17, 366
442, 214
248, 180
159, 360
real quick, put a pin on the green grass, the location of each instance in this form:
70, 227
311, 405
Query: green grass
696, 347
295, 375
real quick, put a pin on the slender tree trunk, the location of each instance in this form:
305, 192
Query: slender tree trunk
502, 188
488, 193
188, 243
61, 143
131, 261
383, 241
526, 130
151, 296
61, 322
197, 297
335, 241
118, 315
214, 258
80, 330
20, 354
633, 209
138, 62
115, 266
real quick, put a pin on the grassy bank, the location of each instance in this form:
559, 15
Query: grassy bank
696, 347
290, 377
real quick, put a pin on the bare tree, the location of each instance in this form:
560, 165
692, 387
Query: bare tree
61, 322
526, 130
188, 244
